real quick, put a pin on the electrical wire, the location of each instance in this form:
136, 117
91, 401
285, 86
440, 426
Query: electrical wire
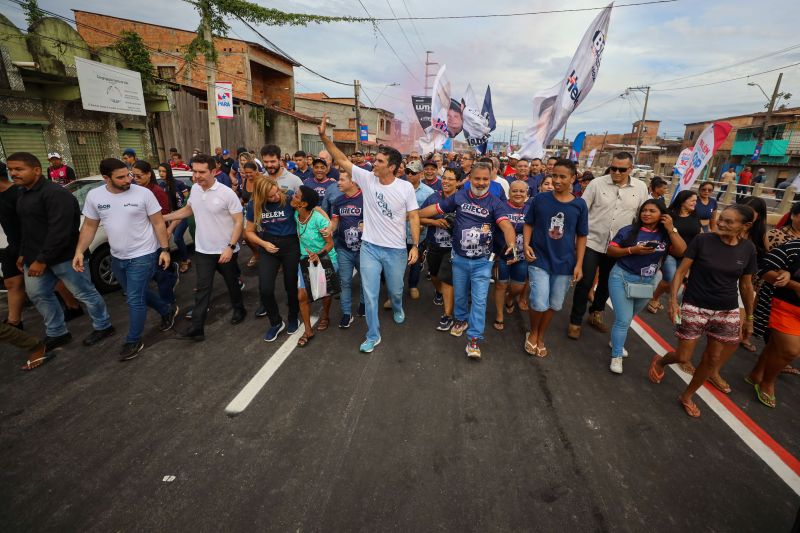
416, 31
378, 28
728, 80
413, 50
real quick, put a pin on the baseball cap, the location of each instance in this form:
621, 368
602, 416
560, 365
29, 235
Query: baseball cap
319, 160
358, 152
515, 155
53, 155
129, 151
429, 163
762, 170
415, 167
225, 152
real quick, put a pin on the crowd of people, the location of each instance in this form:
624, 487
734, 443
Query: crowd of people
521, 232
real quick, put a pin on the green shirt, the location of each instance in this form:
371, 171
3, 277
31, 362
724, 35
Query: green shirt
310, 238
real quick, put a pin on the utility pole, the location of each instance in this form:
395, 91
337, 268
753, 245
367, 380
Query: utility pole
511, 135
603, 146
763, 132
641, 123
428, 63
357, 87
211, 88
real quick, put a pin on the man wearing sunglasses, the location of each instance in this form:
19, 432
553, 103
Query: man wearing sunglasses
613, 201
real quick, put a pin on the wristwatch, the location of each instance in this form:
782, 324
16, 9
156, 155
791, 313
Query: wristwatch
674, 229
164, 250
232, 246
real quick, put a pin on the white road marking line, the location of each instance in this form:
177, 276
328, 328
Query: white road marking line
257, 382
789, 476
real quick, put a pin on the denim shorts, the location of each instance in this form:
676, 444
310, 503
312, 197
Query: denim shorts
547, 290
517, 272
668, 268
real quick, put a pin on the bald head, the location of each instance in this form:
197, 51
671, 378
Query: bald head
326, 156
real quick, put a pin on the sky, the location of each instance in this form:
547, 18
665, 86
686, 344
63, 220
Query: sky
517, 56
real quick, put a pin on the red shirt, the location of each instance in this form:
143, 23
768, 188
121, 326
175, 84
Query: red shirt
179, 166
161, 196
745, 177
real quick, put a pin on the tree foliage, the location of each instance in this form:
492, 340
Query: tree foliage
133, 50
32, 11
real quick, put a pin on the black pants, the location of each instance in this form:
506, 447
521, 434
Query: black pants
592, 260
205, 266
288, 257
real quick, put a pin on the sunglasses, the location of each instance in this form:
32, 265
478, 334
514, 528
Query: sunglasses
621, 170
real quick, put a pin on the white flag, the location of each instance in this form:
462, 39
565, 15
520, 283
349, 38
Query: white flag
552, 107
436, 134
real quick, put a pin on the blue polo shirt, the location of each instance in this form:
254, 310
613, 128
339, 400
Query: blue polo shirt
349, 211
321, 187
306, 174
276, 220
476, 217
556, 225
422, 193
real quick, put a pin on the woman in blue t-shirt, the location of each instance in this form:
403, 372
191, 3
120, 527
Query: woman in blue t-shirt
515, 274
706, 208
639, 249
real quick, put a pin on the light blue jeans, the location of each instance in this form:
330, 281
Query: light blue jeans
348, 261
134, 275
40, 291
547, 290
471, 278
392, 262
624, 308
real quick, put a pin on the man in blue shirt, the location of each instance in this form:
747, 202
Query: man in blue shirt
537, 174
429, 175
301, 169
347, 225
320, 181
422, 192
477, 214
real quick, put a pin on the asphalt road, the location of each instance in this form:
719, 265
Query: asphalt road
413, 437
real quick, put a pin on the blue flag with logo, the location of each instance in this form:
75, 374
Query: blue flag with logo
488, 112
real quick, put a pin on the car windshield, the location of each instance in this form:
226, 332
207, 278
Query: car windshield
81, 188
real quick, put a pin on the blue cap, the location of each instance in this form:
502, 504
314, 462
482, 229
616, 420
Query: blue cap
225, 152
129, 151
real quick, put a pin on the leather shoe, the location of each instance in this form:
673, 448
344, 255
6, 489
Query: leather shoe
192, 335
238, 316
574, 332
596, 321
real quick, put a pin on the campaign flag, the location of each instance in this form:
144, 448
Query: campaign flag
552, 107
224, 93
476, 123
590, 159
422, 107
436, 134
683, 162
707, 143
577, 146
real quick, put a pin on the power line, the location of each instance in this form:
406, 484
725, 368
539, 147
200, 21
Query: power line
419, 38
413, 51
378, 28
728, 80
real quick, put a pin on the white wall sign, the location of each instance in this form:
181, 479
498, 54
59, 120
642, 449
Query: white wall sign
110, 89
224, 92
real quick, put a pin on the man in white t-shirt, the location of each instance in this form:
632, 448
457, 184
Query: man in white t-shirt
388, 203
137, 235
271, 156
218, 227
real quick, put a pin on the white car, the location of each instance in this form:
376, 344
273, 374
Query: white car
100, 259
640, 171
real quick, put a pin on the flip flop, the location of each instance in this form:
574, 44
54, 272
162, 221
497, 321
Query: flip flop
749, 381
690, 408
748, 346
764, 398
33, 364
304, 340
652, 373
541, 351
530, 349
721, 385
654, 306
510, 309
499, 325
789, 369
323, 324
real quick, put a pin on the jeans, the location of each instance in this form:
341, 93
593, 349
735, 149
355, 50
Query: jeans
348, 261
722, 190
40, 291
547, 290
206, 266
287, 258
668, 268
624, 308
471, 278
133, 276
392, 263
592, 260
183, 251
415, 269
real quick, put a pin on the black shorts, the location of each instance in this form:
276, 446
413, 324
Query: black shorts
8, 262
435, 255
445, 274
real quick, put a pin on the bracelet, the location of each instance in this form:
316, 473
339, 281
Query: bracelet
750, 318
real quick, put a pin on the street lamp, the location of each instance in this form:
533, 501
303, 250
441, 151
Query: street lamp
395, 84
754, 84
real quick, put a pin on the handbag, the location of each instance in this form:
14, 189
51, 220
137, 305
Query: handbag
321, 278
639, 290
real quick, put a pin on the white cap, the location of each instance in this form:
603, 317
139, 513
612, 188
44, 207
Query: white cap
515, 155
52, 155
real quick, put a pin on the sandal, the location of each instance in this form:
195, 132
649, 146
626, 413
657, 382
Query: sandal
304, 340
499, 325
530, 348
653, 372
687, 367
541, 351
720, 384
253, 261
184, 266
750, 347
765, 398
690, 408
749, 381
523, 305
789, 369
30, 364
654, 306
323, 324
510, 309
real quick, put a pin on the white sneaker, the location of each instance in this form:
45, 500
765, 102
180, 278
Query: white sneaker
616, 365
624, 351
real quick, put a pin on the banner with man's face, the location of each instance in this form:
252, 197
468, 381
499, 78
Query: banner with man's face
468, 116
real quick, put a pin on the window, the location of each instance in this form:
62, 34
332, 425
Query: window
691, 135
167, 73
388, 127
351, 123
383, 126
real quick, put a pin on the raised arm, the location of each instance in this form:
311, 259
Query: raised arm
338, 156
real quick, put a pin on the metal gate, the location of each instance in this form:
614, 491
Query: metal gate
130, 138
24, 138
311, 144
87, 152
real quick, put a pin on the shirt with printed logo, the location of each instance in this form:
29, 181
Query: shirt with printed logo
349, 213
476, 218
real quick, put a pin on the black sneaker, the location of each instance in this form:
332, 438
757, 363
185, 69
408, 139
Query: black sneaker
98, 335
168, 320
72, 314
130, 350
345, 322
192, 335
238, 316
445, 323
438, 299
362, 309
51, 343
261, 311
189, 313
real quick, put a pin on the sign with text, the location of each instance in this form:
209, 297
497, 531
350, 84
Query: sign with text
109, 89
224, 92
707, 143
364, 132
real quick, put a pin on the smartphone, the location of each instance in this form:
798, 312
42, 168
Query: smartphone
651, 244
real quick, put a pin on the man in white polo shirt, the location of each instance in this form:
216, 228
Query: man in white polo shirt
388, 203
218, 220
131, 217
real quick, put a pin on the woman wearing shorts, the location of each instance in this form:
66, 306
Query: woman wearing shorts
720, 262
438, 248
781, 269
515, 274
639, 249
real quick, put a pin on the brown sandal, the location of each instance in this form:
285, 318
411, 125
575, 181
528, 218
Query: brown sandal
323, 324
690, 408
720, 384
499, 325
304, 340
653, 372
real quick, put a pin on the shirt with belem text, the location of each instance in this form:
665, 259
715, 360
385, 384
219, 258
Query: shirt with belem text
385, 209
214, 223
476, 217
126, 219
276, 220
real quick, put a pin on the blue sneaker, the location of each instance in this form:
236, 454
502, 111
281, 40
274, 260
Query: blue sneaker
272, 333
367, 346
292, 326
345, 322
399, 317
362, 309
438, 299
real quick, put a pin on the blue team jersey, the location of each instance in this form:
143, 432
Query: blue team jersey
475, 219
516, 215
349, 211
437, 237
641, 265
320, 187
494, 188
556, 225
276, 220
436, 185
